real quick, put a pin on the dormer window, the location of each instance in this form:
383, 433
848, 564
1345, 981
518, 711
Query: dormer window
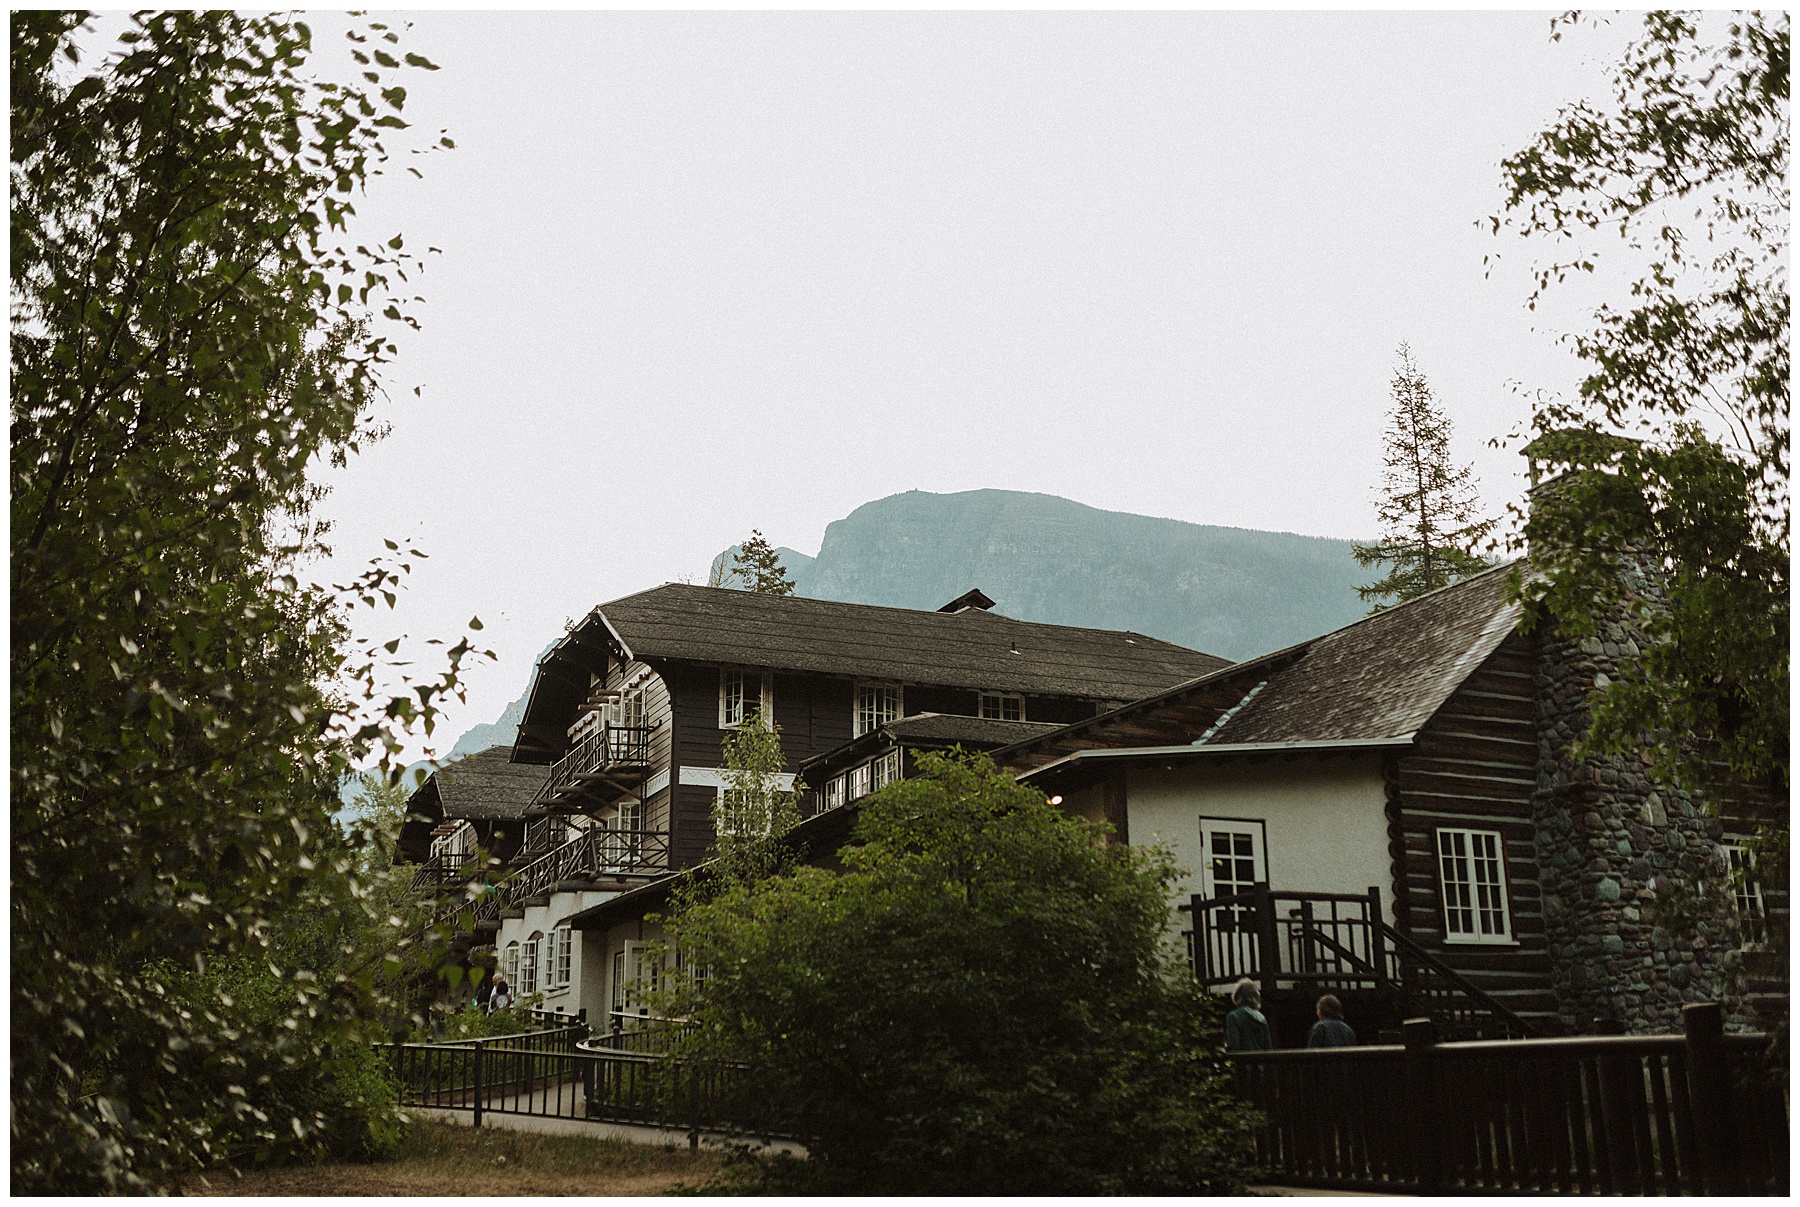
876, 705
1002, 706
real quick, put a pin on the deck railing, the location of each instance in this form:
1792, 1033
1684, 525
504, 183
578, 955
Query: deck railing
595, 854
1335, 942
610, 748
439, 871
1697, 1113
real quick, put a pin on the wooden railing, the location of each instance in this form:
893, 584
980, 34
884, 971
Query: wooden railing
1335, 942
438, 871
1697, 1113
594, 855
610, 748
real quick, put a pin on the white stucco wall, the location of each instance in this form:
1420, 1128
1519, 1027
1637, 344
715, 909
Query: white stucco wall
1324, 819
586, 983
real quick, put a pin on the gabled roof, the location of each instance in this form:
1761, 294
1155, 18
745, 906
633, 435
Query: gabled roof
487, 785
1385, 675
1377, 680
969, 648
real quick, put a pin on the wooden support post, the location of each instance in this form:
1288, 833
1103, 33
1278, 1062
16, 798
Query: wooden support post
1709, 1089
1268, 945
1424, 1137
693, 1095
1377, 940
480, 1046
1620, 1077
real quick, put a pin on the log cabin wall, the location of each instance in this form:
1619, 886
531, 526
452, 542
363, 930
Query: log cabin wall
1474, 766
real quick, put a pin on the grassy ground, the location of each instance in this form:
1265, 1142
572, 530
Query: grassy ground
442, 1159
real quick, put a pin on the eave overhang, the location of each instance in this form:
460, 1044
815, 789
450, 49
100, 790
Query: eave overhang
1084, 759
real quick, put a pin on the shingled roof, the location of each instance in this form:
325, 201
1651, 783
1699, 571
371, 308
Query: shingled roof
1379, 679
1384, 675
486, 786
969, 648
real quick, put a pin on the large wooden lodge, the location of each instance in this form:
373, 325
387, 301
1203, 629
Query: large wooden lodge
1389, 811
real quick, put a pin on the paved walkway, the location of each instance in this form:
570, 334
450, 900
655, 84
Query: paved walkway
499, 1112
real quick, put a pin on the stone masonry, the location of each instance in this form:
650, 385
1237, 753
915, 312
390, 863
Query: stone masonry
1609, 840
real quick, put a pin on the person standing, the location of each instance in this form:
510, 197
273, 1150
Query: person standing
1246, 1030
1331, 1031
502, 998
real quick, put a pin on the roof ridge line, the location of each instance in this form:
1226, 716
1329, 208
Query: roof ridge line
845, 603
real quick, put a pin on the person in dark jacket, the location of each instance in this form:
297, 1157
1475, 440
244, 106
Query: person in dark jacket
1331, 1031
1246, 1030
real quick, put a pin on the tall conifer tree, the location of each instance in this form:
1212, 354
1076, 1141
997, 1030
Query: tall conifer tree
1430, 523
758, 569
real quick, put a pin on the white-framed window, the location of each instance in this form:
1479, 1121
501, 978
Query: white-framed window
856, 783
565, 956
1746, 893
628, 709
742, 692
528, 963
884, 770
632, 975
876, 705
834, 792
510, 967
1002, 706
1472, 872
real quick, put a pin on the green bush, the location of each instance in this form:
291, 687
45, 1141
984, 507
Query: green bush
983, 1002
471, 1022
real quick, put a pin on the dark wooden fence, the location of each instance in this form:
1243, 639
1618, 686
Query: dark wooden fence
552, 1074
1697, 1113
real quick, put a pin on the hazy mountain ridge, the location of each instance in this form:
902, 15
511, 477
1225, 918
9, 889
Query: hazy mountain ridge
1234, 592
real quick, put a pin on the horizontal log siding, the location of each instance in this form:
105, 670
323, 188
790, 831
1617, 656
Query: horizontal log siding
1475, 765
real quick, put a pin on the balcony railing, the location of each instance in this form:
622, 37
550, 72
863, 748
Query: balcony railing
615, 754
1333, 942
596, 855
439, 871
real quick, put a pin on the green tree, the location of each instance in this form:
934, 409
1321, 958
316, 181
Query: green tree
1674, 456
756, 568
377, 812
1430, 525
189, 334
983, 1001
753, 813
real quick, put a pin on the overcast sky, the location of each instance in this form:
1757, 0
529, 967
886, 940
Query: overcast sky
703, 272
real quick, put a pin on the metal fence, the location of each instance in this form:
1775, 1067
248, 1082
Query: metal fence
1697, 1113
549, 1074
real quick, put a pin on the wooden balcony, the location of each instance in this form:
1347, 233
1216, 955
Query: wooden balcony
1306, 944
596, 857
611, 762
